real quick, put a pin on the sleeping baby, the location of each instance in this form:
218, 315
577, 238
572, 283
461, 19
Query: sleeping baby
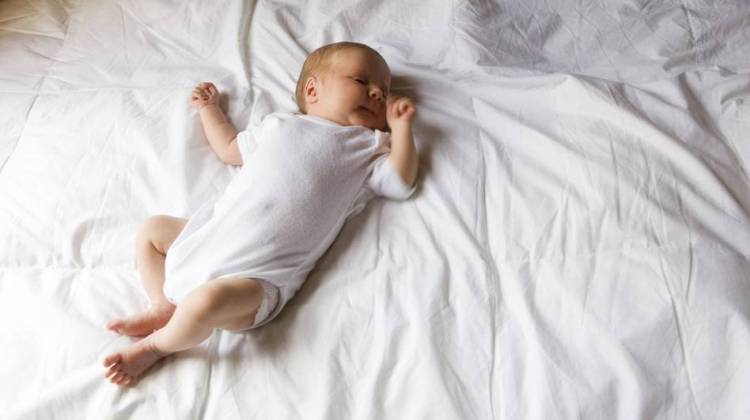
237, 261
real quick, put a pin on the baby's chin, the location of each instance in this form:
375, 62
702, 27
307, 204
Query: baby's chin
373, 126
362, 119
369, 121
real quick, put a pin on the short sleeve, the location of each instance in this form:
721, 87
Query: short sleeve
247, 140
246, 143
384, 181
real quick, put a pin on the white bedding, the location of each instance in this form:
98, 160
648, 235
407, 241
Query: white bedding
579, 246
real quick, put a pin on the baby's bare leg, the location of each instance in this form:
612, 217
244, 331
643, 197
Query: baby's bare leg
154, 238
229, 304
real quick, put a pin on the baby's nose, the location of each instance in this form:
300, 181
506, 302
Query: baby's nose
376, 93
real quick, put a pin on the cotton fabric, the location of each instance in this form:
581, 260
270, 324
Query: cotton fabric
302, 177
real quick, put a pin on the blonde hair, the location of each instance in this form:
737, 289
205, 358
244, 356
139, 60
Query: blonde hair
319, 61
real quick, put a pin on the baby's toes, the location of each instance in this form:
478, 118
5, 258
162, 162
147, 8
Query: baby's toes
126, 380
114, 325
117, 378
112, 359
112, 371
121, 379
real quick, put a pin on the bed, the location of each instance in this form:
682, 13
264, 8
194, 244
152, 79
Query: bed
578, 246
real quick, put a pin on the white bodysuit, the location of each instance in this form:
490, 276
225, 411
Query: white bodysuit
302, 178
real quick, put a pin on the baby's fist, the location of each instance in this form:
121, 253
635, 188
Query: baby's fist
399, 110
204, 94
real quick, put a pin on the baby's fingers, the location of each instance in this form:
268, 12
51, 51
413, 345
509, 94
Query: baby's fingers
402, 107
208, 87
405, 105
205, 86
201, 93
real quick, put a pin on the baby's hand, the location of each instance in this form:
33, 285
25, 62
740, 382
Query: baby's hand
205, 94
399, 110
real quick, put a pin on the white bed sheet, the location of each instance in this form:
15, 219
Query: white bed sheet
578, 247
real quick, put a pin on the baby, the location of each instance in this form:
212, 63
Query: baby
238, 260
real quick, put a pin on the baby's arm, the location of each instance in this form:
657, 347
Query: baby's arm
400, 114
220, 133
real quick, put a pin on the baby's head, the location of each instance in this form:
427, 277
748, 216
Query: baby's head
346, 83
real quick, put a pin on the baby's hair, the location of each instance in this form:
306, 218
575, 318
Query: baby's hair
319, 61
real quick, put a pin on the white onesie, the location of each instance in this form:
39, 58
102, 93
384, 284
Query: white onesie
302, 178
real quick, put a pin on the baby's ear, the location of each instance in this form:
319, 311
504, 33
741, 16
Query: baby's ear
311, 90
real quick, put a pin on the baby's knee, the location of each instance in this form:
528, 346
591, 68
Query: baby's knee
222, 301
160, 230
149, 228
210, 299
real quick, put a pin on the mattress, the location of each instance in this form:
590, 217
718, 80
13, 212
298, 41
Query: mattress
578, 246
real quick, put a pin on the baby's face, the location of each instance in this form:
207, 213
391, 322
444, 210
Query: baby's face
352, 91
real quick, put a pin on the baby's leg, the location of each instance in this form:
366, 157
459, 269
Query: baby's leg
228, 304
154, 238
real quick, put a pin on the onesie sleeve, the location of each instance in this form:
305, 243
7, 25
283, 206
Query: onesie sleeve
249, 138
246, 143
384, 181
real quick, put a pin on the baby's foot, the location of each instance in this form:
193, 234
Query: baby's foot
143, 323
126, 366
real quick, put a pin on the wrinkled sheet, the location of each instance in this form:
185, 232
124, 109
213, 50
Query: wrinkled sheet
577, 249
